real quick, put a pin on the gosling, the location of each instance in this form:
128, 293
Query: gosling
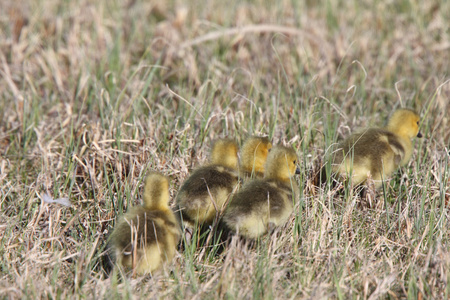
204, 194
264, 204
377, 152
253, 157
147, 235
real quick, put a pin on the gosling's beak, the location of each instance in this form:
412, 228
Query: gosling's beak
297, 171
419, 135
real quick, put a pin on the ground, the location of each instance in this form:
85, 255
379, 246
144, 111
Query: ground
95, 94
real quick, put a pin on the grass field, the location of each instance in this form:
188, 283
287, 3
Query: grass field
94, 94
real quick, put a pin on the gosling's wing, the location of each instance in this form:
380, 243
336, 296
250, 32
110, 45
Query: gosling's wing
281, 202
369, 144
259, 199
207, 178
396, 147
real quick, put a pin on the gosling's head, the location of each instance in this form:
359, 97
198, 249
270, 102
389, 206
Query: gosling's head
254, 154
405, 123
282, 163
156, 192
224, 153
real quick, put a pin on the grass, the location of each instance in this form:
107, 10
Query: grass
94, 94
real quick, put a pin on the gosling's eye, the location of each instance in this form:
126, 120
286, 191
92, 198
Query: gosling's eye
294, 162
417, 122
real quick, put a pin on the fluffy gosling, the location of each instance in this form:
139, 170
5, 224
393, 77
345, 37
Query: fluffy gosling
147, 235
253, 157
204, 194
377, 152
265, 203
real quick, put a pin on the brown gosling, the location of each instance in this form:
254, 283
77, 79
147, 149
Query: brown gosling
204, 194
253, 157
377, 152
265, 203
147, 235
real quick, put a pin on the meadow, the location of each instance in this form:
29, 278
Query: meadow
95, 94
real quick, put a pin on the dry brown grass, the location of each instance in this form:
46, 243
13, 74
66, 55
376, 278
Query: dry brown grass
96, 93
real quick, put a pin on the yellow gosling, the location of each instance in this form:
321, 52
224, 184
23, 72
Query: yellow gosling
377, 152
265, 203
204, 194
147, 235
